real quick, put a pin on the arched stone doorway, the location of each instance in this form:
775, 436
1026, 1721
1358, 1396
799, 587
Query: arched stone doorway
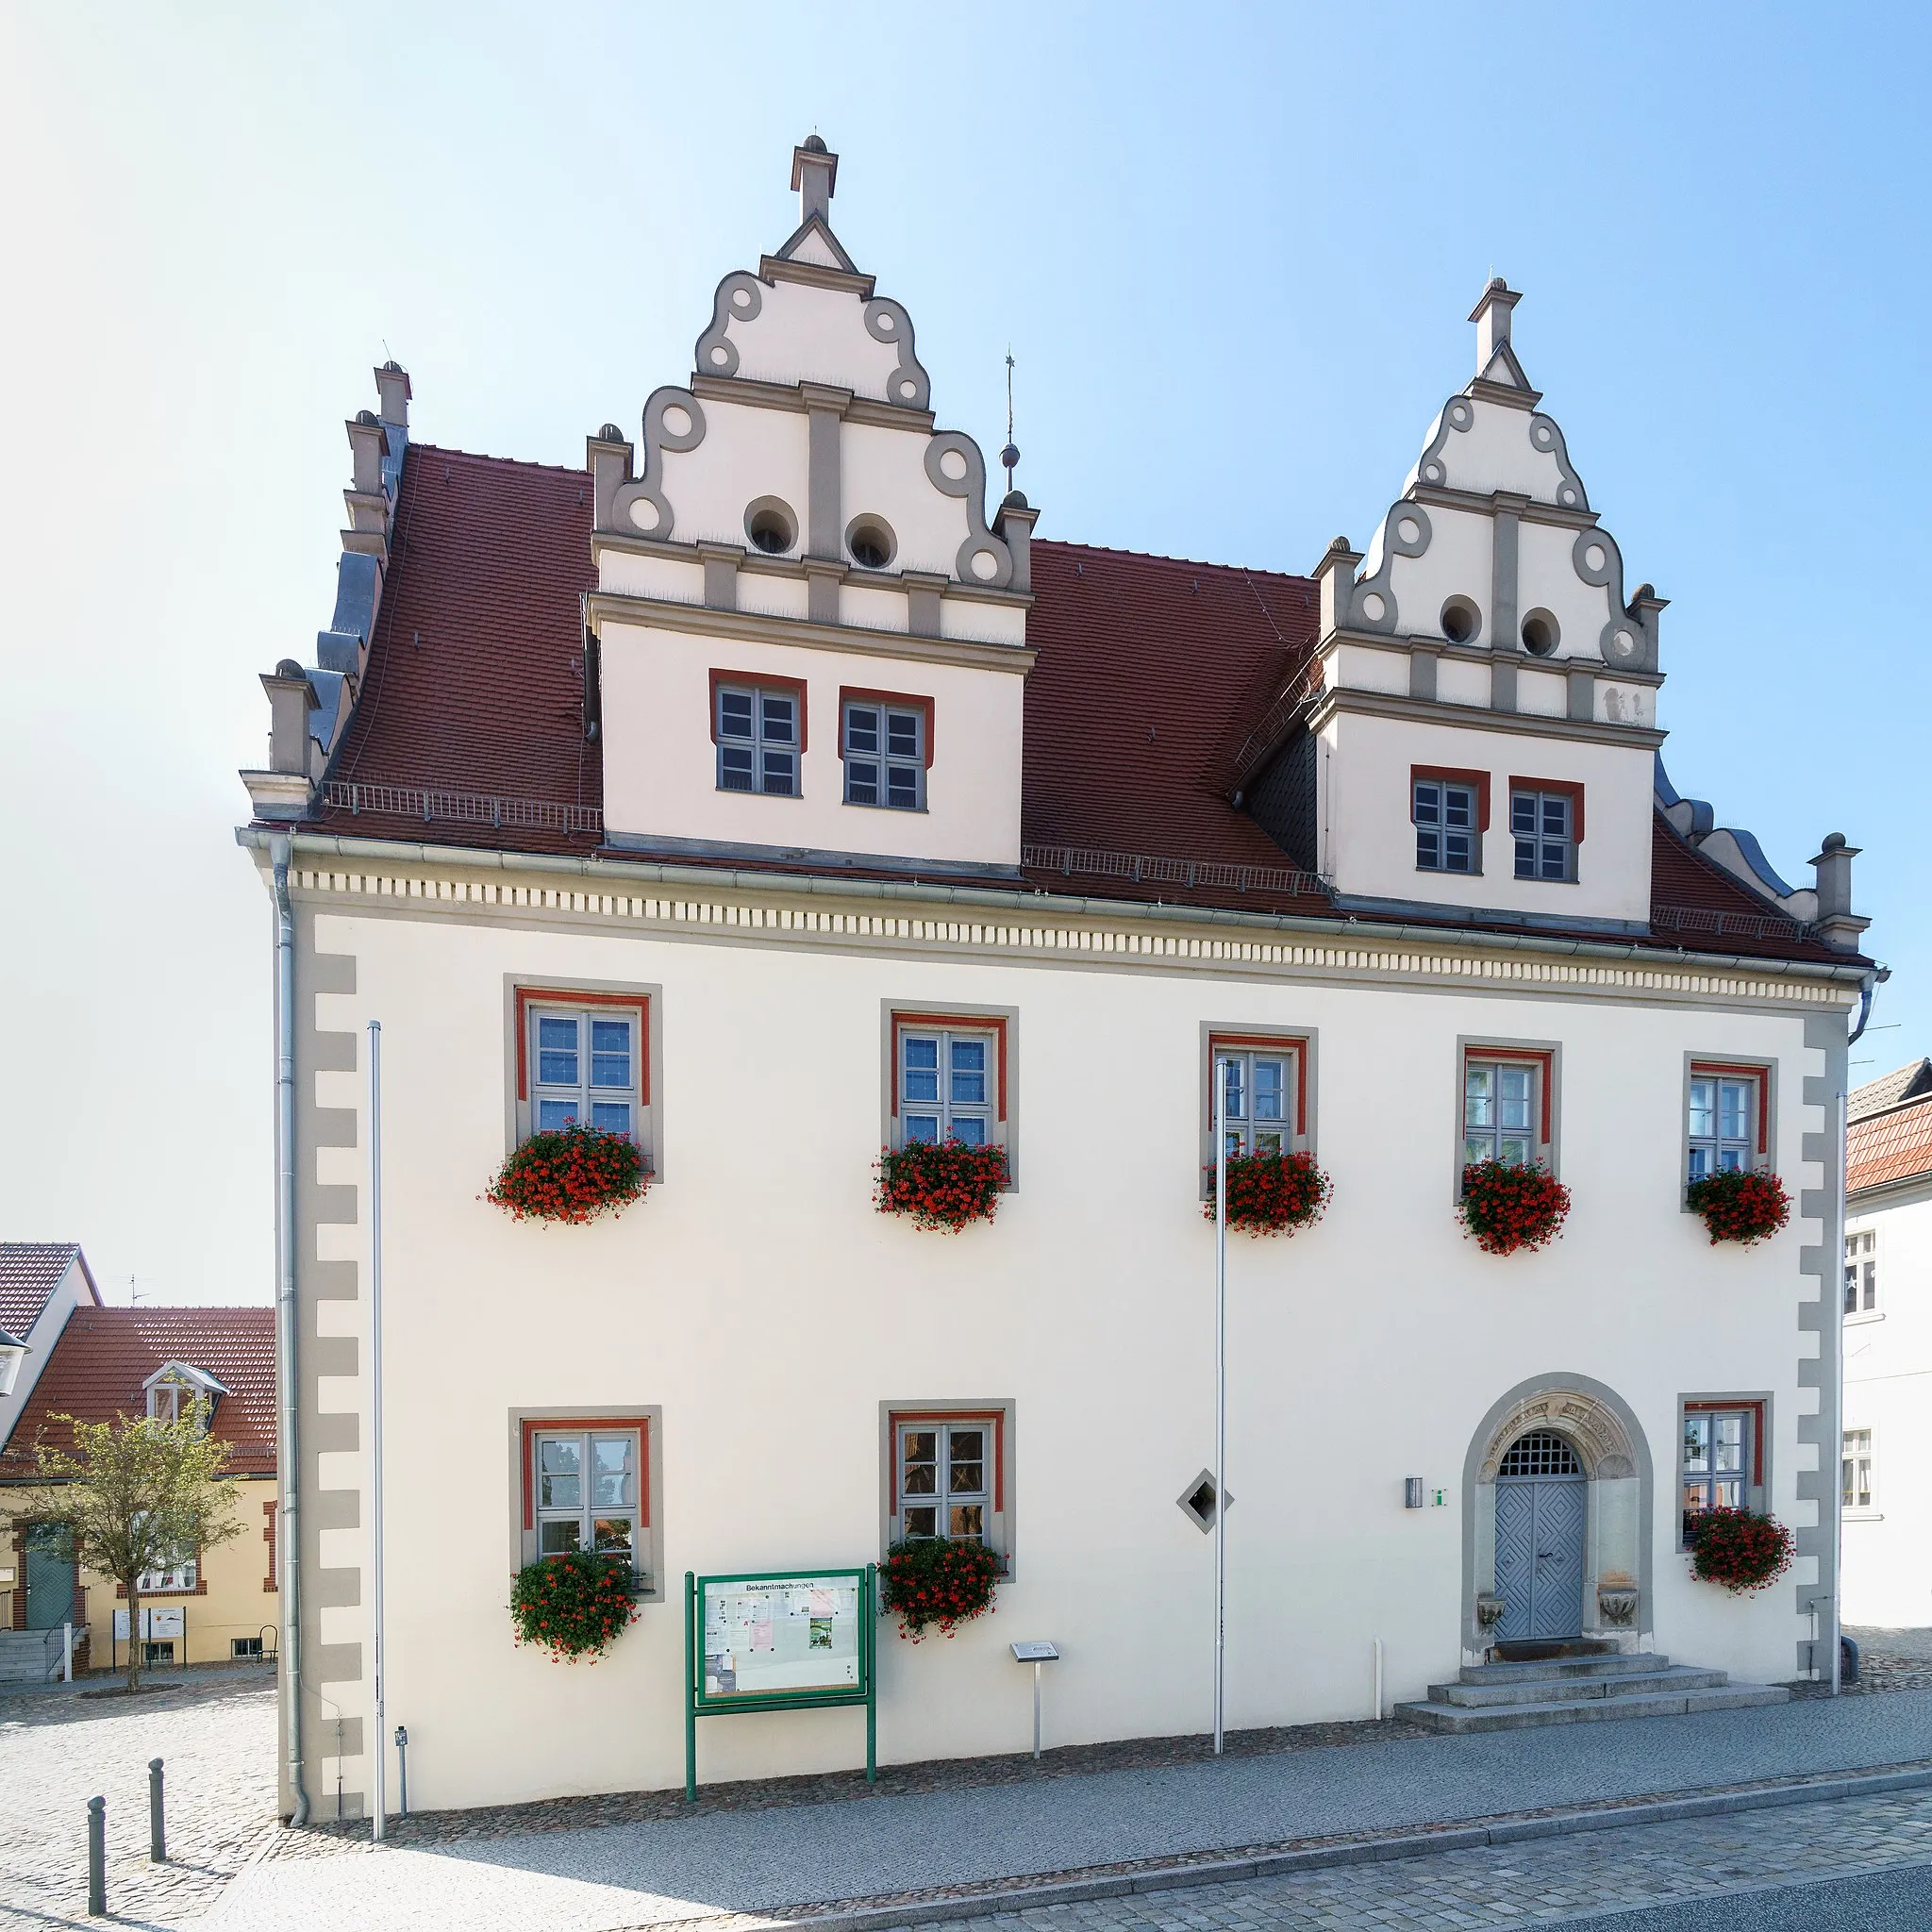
1568, 1460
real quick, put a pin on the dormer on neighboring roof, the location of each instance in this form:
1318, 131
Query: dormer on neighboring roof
800, 594
174, 1388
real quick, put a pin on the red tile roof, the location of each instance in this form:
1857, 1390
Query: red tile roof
1884, 1148
1153, 674
103, 1356
29, 1273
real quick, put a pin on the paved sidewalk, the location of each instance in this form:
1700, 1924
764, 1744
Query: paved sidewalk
215, 1731
1548, 1882
924, 1844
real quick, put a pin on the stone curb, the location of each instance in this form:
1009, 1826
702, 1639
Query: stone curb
1607, 1816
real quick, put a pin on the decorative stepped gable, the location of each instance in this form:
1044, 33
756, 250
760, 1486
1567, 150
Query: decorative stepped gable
1486, 641
310, 708
797, 522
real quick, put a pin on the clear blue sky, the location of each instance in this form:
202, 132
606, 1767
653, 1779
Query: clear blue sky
1232, 249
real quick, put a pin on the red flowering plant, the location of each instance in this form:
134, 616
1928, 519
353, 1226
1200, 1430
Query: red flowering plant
934, 1581
942, 1184
1737, 1548
574, 1174
1507, 1208
1741, 1204
575, 1604
1271, 1192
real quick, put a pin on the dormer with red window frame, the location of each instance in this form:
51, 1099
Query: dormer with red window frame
810, 642
1485, 733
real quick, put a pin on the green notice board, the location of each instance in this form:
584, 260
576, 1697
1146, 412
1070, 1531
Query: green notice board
778, 1640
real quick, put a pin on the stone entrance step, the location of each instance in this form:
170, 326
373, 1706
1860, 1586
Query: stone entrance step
1571, 1690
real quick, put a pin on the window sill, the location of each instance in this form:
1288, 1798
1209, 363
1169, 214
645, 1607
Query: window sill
1437, 872
1861, 1515
1863, 1316
733, 792
904, 810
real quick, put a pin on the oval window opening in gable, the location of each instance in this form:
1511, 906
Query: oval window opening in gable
871, 542
1461, 619
771, 526
1540, 634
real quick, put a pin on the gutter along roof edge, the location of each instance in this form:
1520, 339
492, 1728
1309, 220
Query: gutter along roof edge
815, 885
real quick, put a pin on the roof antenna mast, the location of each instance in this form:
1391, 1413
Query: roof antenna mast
1010, 455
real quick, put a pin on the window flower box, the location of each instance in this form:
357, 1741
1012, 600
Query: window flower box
572, 1175
1270, 1192
942, 1185
1741, 1205
1510, 1206
1739, 1548
574, 1606
937, 1583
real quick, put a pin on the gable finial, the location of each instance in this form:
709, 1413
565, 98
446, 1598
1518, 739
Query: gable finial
1010, 455
815, 175
1491, 318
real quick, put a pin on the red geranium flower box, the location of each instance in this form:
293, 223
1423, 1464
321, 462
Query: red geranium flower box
1742, 1205
1271, 1192
1739, 1548
1506, 1208
934, 1581
942, 1184
573, 1174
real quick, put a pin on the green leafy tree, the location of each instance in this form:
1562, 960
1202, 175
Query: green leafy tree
142, 1493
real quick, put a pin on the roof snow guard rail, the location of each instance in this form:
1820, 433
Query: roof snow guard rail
1070, 859
463, 807
1740, 924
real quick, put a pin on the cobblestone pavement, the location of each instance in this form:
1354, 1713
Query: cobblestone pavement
1892, 1659
1549, 1881
214, 1729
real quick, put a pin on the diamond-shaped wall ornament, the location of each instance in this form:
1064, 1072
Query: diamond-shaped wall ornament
1197, 1502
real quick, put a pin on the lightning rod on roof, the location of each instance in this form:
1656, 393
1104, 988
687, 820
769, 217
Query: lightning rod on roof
1010, 455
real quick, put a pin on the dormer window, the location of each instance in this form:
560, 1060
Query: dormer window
1546, 823
1451, 812
887, 747
171, 1391
759, 731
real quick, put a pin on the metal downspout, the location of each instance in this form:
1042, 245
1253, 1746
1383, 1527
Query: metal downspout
289, 1460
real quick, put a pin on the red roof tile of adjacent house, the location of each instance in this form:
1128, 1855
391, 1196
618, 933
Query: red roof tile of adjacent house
1154, 676
29, 1273
104, 1355
1885, 1148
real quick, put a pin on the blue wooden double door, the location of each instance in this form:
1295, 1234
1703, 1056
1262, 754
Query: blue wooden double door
1540, 1555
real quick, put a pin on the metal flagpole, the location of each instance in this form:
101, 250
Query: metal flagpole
375, 1405
1220, 1397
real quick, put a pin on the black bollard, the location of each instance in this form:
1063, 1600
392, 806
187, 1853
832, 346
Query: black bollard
156, 1815
97, 1857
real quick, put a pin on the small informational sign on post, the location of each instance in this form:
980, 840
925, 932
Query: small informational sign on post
1036, 1653
778, 1640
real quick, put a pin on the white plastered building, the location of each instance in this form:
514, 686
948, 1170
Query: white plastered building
762, 743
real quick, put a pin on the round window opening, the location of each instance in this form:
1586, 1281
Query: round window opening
1461, 619
871, 542
769, 525
1540, 634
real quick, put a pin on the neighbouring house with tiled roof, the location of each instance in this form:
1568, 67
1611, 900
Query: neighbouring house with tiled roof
209, 1606
768, 792
42, 1283
1885, 1465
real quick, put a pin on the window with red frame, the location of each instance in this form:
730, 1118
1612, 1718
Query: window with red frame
1507, 1106
949, 1078
584, 1056
1728, 1124
1267, 1094
948, 1475
586, 1486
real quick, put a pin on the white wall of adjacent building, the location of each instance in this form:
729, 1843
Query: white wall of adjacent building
760, 1301
1888, 1414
